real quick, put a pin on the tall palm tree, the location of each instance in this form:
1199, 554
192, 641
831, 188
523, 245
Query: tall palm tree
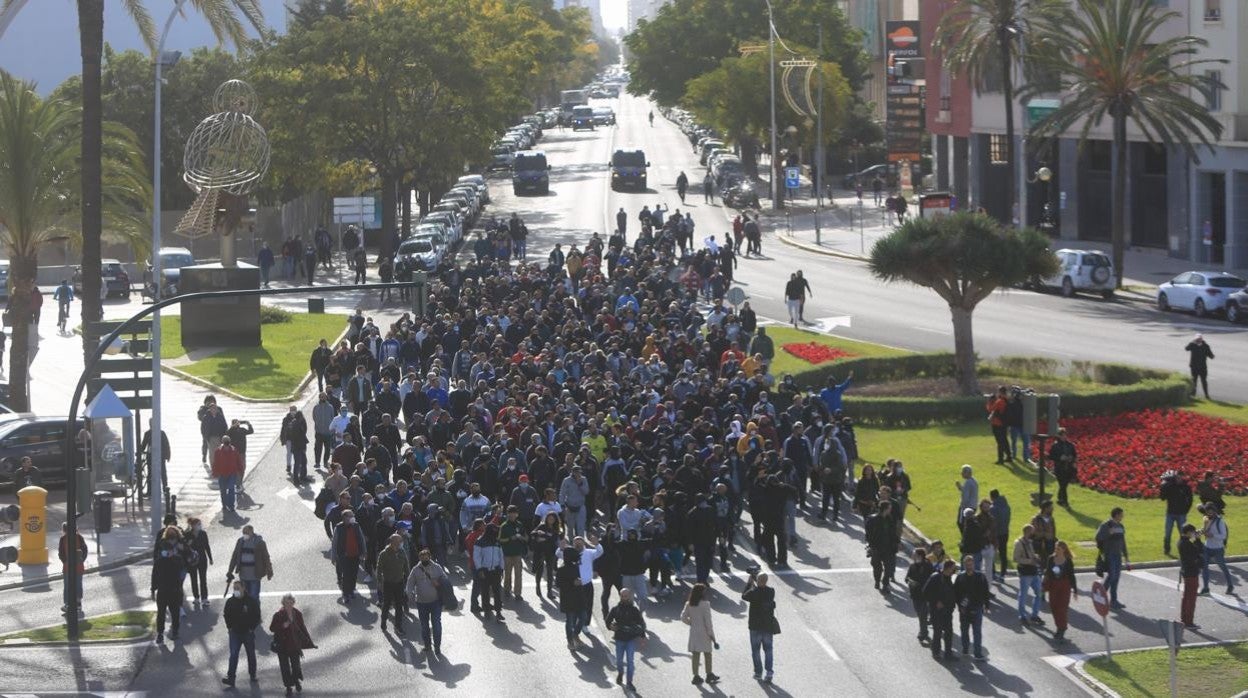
985, 40
40, 153
225, 17
1112, 63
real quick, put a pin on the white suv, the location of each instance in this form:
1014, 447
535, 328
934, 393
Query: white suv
1082, 270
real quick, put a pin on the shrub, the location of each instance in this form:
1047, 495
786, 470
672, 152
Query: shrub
1024, 366
272, 315
881, 369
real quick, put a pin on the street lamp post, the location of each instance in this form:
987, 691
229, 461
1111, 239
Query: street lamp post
771, 53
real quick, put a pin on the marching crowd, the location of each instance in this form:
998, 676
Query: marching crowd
600, 427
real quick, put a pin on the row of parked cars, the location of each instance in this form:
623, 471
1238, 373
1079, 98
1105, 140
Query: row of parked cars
428, 244
733, 186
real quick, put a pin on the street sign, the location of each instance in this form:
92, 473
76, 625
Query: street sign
735, 296
792, 178
364, 211
1099, 599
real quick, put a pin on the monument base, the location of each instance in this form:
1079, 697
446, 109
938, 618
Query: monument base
220, 322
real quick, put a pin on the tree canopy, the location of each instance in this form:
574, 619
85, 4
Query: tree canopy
963, 257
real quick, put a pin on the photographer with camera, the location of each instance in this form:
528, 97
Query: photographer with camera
1191, 562
1062, 453
1177, 495
762, 623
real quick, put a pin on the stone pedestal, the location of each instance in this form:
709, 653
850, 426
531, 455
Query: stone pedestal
220, 322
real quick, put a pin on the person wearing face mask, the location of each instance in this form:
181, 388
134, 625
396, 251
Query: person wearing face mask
197, 538
294, 435
339, 426
291, 638
251, 560
392, 571
323, 414
167, 572
349, 546
424, 585
242, 616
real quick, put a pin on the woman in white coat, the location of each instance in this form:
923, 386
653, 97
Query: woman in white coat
697, 615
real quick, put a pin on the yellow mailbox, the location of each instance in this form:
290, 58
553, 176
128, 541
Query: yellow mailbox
33, 502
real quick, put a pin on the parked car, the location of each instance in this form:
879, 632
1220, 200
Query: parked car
740, 194
1202, 292
478, 181
502, 154
604, 116
172, 259
420, 252
886, 171
1090, 271
708, 146
116, 279
1237, 306
454, 225
41, 438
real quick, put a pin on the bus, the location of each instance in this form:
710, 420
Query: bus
571, 98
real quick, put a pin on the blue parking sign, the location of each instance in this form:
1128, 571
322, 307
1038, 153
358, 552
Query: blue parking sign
792, 179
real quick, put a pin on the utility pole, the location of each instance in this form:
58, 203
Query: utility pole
771, 53
819, 159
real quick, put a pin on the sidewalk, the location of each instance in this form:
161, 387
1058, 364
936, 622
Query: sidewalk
849, 230
54, 372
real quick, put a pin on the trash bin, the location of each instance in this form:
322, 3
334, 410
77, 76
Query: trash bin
103, 509
316, 306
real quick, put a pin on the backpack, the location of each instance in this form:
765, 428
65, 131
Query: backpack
323, 499
833, 466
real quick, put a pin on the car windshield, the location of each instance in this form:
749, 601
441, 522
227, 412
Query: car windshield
416, 247
627, 159
530, 162
176, 261
112, 268
1227, 282
583, 111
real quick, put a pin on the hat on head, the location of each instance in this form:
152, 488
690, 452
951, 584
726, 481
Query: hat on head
524, 478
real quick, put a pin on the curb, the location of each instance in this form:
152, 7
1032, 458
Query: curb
792, 242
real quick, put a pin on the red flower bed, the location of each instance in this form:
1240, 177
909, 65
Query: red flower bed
816, 353
1127, 453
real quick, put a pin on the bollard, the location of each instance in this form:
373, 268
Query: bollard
33, 502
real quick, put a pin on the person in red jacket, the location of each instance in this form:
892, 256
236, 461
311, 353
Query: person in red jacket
997, 405
227, 467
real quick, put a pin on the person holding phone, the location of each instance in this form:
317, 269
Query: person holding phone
762, 624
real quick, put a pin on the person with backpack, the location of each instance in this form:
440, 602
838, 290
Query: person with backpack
251, 559
1216, 533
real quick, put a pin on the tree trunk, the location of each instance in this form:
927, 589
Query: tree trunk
1011, 154
405, 201
964, 351
1118, 197
389, 211
23, 270
91, 39
749, 155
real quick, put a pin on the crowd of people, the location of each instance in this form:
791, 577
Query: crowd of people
604, 426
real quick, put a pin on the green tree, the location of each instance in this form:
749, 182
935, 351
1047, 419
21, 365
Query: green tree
984, 41
1115, 61
40, 186
226, 19
963, 257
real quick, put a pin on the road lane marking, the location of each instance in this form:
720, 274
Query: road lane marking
1222, 599
932, 330
823, 642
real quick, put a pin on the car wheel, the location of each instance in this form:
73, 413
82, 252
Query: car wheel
1199, 308
1233, 313
1163, 303
1068, 287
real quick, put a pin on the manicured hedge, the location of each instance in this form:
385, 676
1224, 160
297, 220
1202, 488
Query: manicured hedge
1123, 389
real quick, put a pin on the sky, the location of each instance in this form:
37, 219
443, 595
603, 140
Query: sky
614, 13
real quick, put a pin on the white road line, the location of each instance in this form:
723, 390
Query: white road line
1065, 663
823, 642
1222, 599
933, 331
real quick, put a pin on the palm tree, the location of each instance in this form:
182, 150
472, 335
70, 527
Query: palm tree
963, 258
1111, 64
984, 40
40, 152
224, 18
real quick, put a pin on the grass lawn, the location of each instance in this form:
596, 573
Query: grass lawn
785, 362
934, 455
1210, 672
127, 625
270, 371
1229, 411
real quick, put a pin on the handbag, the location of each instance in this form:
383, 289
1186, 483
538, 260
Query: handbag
274, 646
1101, 565
446, 594
775, 626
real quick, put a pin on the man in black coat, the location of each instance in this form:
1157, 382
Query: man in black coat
762, 622
882, 546
1177, 494
1063, 454
168, 570
700, 522
971, 590
941, 598
241, 615
1199, 363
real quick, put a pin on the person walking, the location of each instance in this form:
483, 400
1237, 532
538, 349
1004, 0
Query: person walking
212, 427
1044, 530
629, 631
621, 225
1061, 585
514, 540
971, 590
571, 600
1028, 562
545, 539
968, 487
251, 560
762, 624
1177, 494
424, 586
1111, 541
63, 295
1198, 362
1191, 563
487, 568
393, 568
168, 570
881, 534
1000, 513
349, 545
242, 617
1063, 454
197, 539
877, 189
290, 639
807, 291
941, 598
997, 407
682, 185
227, 467
573, 497
63, 551
793, 294
1215, 532
708, 189
921, 569
264, 260
697, 615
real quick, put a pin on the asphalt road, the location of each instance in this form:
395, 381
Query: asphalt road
839, 637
